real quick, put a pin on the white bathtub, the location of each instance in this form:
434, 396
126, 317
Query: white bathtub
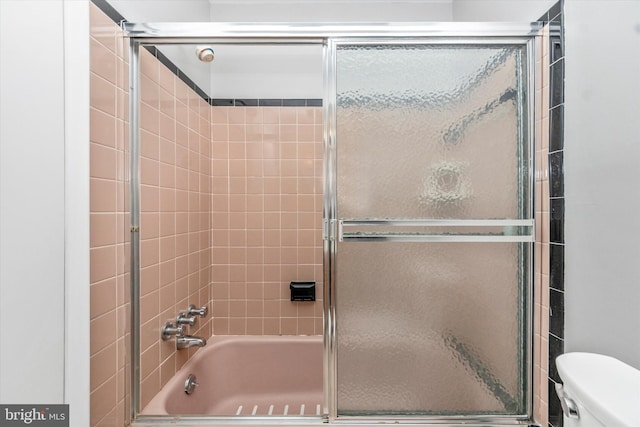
247, 375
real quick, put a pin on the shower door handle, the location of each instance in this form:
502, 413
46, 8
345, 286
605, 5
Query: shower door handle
436, 230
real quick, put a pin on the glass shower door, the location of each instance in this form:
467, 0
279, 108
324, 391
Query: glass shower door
432, 229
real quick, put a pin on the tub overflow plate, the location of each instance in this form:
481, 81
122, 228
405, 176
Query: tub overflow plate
190, 384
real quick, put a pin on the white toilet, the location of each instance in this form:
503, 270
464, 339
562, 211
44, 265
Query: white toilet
598, 391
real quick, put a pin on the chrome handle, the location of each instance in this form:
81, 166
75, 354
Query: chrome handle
184, 319
193, 311
168, 330
569, 407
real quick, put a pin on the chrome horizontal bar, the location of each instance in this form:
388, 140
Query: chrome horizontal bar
438, 222
406, 230
190, 30
434, 238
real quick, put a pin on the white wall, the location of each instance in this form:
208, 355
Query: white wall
602, 178
293, 71
44, 285
163, 10
76, 205
330, 10
31, 202
499, 10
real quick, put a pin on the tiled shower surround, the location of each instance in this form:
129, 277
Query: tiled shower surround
231, 207
541, 278
109, 344
267, 218
231, 213
175, 217
556, 198
549, 281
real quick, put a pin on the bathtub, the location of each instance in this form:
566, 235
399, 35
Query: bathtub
245, 376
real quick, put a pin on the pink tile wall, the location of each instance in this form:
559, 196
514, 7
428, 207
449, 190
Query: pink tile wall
109, 203
175, 217
175, 169
267, 198
541, 282
267, 217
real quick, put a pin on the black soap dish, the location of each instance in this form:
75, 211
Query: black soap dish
303, 291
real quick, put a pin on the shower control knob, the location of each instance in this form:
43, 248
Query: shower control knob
193, 311
185, 319
169, 330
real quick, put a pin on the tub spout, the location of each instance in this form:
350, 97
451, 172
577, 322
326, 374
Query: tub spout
186, 341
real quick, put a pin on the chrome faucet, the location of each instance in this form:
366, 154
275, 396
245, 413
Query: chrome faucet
179, 330
186, 341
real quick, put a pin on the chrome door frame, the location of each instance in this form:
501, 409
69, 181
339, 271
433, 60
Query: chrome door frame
333, 227
328, 34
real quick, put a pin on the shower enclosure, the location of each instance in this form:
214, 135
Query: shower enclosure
427, 226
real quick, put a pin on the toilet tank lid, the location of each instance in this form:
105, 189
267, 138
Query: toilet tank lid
609, 388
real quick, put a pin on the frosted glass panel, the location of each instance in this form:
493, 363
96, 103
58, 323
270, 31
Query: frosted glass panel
420, 130
428, 328
431, 134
